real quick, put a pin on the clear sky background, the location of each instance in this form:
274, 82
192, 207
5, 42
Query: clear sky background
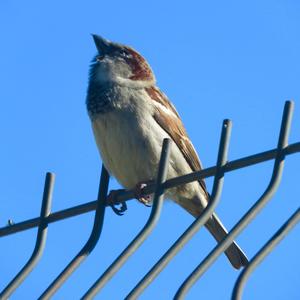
215, 60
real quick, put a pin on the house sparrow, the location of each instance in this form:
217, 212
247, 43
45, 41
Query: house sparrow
130, 118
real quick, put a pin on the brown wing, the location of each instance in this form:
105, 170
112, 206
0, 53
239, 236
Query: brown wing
167, 117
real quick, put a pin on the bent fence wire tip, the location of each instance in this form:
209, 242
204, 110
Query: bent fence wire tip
147, 229
277, 154
90, 244
252, 212
262, 253
40, 239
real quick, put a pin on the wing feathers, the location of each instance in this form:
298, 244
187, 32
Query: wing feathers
167, 117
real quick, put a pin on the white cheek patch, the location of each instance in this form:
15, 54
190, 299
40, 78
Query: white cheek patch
121, 69
134, 84
112, 70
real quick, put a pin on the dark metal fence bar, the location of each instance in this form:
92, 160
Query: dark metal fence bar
158, 189
147, 229
90, 244
193, 229
40, 239
252, 212
263, 252
128, 195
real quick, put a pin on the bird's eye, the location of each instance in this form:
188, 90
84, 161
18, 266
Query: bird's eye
123, 53
99, 58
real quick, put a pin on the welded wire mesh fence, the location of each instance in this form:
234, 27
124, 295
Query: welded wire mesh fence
278, 154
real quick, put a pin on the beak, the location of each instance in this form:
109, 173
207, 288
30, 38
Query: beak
103, 45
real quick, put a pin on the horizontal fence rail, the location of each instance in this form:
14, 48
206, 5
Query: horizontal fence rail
129, 195
158, 188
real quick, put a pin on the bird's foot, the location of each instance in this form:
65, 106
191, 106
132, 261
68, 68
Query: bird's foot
111, 201
138, 193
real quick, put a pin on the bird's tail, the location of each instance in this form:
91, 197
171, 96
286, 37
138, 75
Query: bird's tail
234, 253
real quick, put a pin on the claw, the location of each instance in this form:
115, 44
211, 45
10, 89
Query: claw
111, 202
147, 199
145, 202
119, 211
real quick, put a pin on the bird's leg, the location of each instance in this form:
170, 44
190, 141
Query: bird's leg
110, 200
138, 193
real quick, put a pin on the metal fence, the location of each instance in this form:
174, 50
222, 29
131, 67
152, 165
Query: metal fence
278, 155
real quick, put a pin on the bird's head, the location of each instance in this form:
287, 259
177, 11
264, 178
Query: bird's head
120, 64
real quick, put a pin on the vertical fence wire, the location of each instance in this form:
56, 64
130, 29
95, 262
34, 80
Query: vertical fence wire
90, 244
252, 212
262, 253
218, 171
189, 233
147, 229
40, 239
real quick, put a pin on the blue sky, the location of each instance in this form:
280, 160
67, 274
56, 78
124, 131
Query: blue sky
215, 60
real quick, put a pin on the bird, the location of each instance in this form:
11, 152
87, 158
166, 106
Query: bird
130, 118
